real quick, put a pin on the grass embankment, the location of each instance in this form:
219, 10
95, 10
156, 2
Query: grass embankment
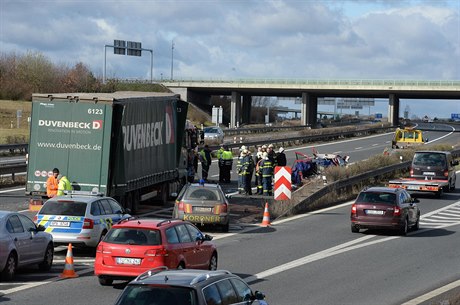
342, 173
10, 132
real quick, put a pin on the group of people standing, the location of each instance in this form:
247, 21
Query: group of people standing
57, 184
261, 164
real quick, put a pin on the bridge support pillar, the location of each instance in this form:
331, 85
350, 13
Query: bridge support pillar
309, 109
246, 111
235, 109
393, 110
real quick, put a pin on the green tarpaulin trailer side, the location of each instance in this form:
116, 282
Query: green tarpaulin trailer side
122, 144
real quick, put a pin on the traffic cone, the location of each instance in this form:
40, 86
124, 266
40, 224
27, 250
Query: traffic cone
69, 270
266, 218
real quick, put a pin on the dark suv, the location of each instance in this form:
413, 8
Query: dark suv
161, 286
434, 165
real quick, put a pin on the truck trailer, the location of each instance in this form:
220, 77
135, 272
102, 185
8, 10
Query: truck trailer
131, 146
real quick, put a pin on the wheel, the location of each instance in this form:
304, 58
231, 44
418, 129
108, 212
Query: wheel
48, 259
404, 228
417, 224
225, 227
213, 262
8, 272
354, 229
452, 186
105, 281
102, 236
439, 193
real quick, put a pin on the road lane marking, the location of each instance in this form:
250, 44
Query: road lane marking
36, 284
432, 294
13, 190
349, 246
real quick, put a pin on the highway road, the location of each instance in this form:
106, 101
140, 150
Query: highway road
308, 259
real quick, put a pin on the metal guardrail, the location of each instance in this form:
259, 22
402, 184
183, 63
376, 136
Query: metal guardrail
13, 169
305, 139
22, 148
337, 186
328, 82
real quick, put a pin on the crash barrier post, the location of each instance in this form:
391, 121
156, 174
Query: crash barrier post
69, 271
266, 217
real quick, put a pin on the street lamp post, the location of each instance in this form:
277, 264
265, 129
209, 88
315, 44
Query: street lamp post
172, 58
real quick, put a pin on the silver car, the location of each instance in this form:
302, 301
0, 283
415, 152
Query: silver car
80, 219
22, 243
213, 135
203, 204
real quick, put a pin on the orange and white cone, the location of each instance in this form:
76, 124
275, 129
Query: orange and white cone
69, 271
266, 218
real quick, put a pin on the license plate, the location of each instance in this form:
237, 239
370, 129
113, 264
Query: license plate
202, 209
374, 212
412, 187
428, 173
60, 223
128, 261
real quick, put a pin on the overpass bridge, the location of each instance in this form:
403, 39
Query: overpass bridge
242, 91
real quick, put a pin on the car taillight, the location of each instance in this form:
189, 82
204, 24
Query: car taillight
156, 252
220, 208
411, 171
180, 206
105, 250
446, 173
397, 211
353, 209
88, 223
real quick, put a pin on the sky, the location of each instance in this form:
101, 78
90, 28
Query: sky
250, 39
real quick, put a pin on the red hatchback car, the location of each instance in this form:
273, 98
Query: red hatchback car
385, 208
134, 246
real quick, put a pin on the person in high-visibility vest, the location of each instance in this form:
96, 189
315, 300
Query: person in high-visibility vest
258, 173
52, 184
226, 158
64, 185
249, 162
220, 162
266, 167
206, 159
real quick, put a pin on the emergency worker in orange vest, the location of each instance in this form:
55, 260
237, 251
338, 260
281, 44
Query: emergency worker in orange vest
52, 184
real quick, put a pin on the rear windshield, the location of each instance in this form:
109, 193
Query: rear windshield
430, 159
211, 130
369, 197
158, 295
132, 236
68, 208
200, 193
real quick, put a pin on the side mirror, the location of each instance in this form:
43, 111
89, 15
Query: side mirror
415, 200
39, 228
207, 237
259, 295
127, 211
455, 162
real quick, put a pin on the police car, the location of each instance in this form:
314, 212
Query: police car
80, 218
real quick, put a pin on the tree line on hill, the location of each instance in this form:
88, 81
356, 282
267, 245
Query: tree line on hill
21, 75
